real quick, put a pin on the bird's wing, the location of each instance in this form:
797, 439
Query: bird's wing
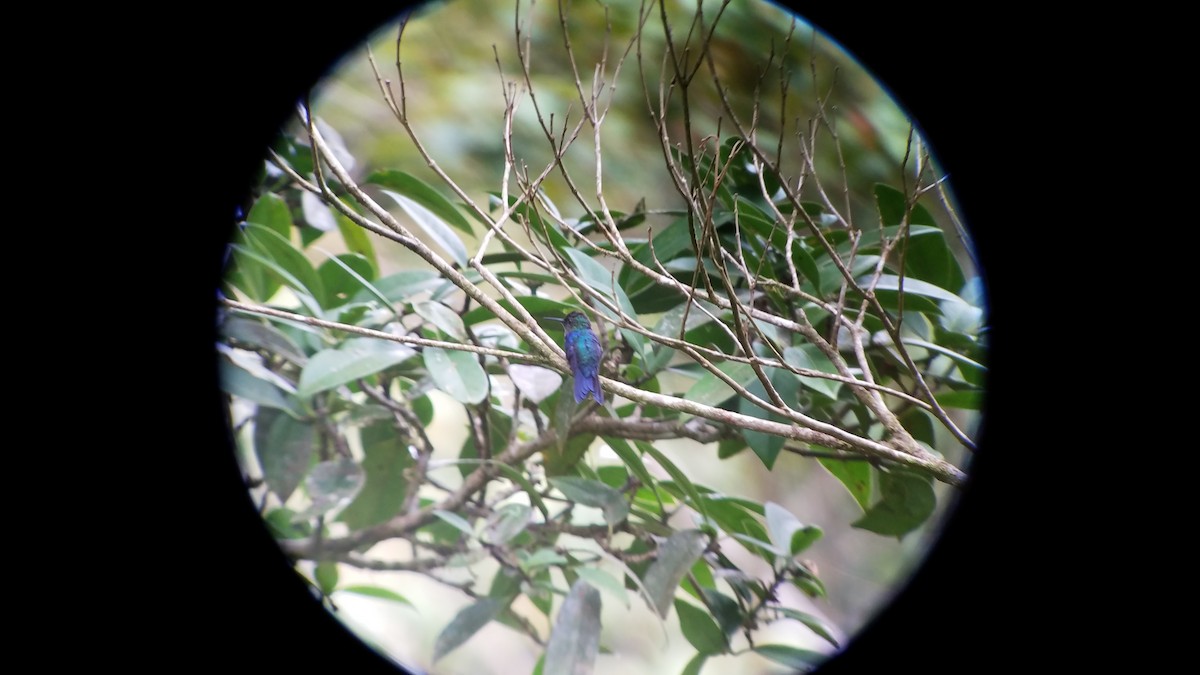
571, 357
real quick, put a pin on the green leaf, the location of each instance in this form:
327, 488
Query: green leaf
357, 357
565, 461
670, 241
280, 250
725, 610
766, 446
437, 529
331, 485
892, 282
632, 460
402, 286
921, 424
792, 657
252, 333
728, 447
541, 591
962, 360
811, 586
693, 667
457, 373
958, 317
423, 194
456, 521
700, 629
711, 390
357, 239
814, 624
280, 522
854, 475
272, 212
445, 319
308, 234
787, 532
434, 227
803, 538
316, 212
761, 546
631, 577
967, 400
604, 581
506, 584
517, 477
926, 255
376, 592
566, 451
506, 522
612, 475
423, 407
534, 278
295, 152
361, 416
594, 493
575, 639
285, 448
678, 476
326, 575
658, 357
806, 266
891, 204
541, 558
754, 536
244, 255
465, 624
809, 357
248, 275
907, 502
675, 557
344, 276
537, 306
595, 275
257, 385
732, 513
385, 458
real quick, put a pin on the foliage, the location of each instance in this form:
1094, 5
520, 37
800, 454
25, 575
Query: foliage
762, 314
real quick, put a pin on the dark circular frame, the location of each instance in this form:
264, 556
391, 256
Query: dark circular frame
261, 613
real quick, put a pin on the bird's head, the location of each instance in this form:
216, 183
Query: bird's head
577, 321
573, 321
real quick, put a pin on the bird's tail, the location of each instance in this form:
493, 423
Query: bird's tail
589, 385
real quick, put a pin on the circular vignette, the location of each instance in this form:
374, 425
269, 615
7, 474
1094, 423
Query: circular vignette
866, 615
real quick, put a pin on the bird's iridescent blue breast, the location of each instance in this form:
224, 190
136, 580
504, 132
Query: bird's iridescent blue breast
583, 355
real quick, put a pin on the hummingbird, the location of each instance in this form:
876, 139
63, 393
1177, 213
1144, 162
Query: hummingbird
583, 355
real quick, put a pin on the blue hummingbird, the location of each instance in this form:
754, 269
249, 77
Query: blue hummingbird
583, 355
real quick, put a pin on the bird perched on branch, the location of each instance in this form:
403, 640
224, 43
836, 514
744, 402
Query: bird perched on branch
583, 355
